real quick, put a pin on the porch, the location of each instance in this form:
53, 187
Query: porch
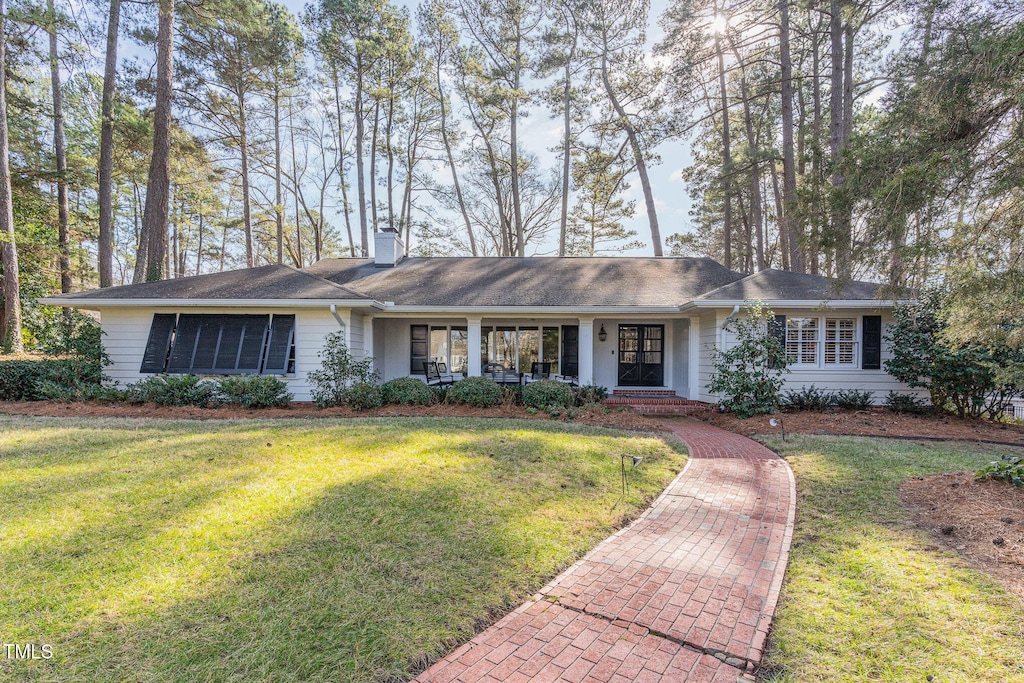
622, 354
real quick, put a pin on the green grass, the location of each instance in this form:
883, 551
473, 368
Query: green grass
290, 550
867, 596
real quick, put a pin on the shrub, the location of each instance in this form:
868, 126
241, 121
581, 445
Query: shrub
407, 391
254, 391
511, 394
547, 393
51, 391
589, 394
479, 392
852, 399
339, 372
972, 378
38, 379
905, 403
363, 396
174, 390
808, 398
749, 374
1008, 468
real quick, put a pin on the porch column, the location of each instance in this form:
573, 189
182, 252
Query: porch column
693, 373
586, 351
368, 338
473, 341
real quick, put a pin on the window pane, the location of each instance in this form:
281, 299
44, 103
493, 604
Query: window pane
439, 344
503, 347
802, 340
529, 348
551, 348
459, 350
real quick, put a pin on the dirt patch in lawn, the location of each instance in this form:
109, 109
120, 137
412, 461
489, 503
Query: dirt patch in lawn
873, 423
613, 418
981, 520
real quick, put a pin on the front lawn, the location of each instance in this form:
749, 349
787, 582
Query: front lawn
290, 550
870, 597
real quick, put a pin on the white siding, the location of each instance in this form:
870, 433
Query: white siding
126, 331
710, 331
879, 382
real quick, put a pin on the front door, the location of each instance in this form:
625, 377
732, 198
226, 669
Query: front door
641, 355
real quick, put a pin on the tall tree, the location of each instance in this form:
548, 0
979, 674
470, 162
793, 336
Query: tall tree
60, 153
105, 244
441, 37
10, 321
616, 31
505, 31
158, 185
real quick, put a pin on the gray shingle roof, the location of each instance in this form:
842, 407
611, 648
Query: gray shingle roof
533, 281
264, 282
781, 285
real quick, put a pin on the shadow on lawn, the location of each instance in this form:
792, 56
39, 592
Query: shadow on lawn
360, 568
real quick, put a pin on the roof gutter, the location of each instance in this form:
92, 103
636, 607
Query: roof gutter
96, 303
799, 303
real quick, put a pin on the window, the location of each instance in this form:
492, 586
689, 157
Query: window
220, 344
840, 341
802, 341
449, 345
418, 352
518, 348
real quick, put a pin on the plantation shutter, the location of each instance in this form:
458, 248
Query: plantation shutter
282, 328
155, 357
779, 332
871, 346
418, 350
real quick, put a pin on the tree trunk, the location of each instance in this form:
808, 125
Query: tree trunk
837, 126
243, 148
566, 158
517, 210
787, 220
451, 161
360, 181
341, 174
105, 246
10, 320
299, 263
388, 122
61, 157
726, 156
278, 199
638, 155
373, 167
158, 186
756, 218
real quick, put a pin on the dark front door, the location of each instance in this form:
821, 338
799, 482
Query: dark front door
641, 355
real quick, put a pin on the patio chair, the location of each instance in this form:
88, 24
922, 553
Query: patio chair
538, 371
434, 375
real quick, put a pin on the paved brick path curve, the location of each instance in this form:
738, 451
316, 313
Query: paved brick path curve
684, 593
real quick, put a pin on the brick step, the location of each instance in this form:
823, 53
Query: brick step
657, 405
639, 393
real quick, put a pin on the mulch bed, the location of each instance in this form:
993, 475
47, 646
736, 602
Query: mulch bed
981, 520
613, 419
872, 423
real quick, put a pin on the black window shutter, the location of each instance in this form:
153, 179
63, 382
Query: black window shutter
185, 339
155, 357
871, 348
419, 350
253, 338
570, 350
779, 332
282, 328
206, 344
231, 327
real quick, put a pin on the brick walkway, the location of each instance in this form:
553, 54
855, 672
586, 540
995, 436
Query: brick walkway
684, 593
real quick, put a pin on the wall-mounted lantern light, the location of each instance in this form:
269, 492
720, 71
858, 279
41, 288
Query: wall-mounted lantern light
602, 335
